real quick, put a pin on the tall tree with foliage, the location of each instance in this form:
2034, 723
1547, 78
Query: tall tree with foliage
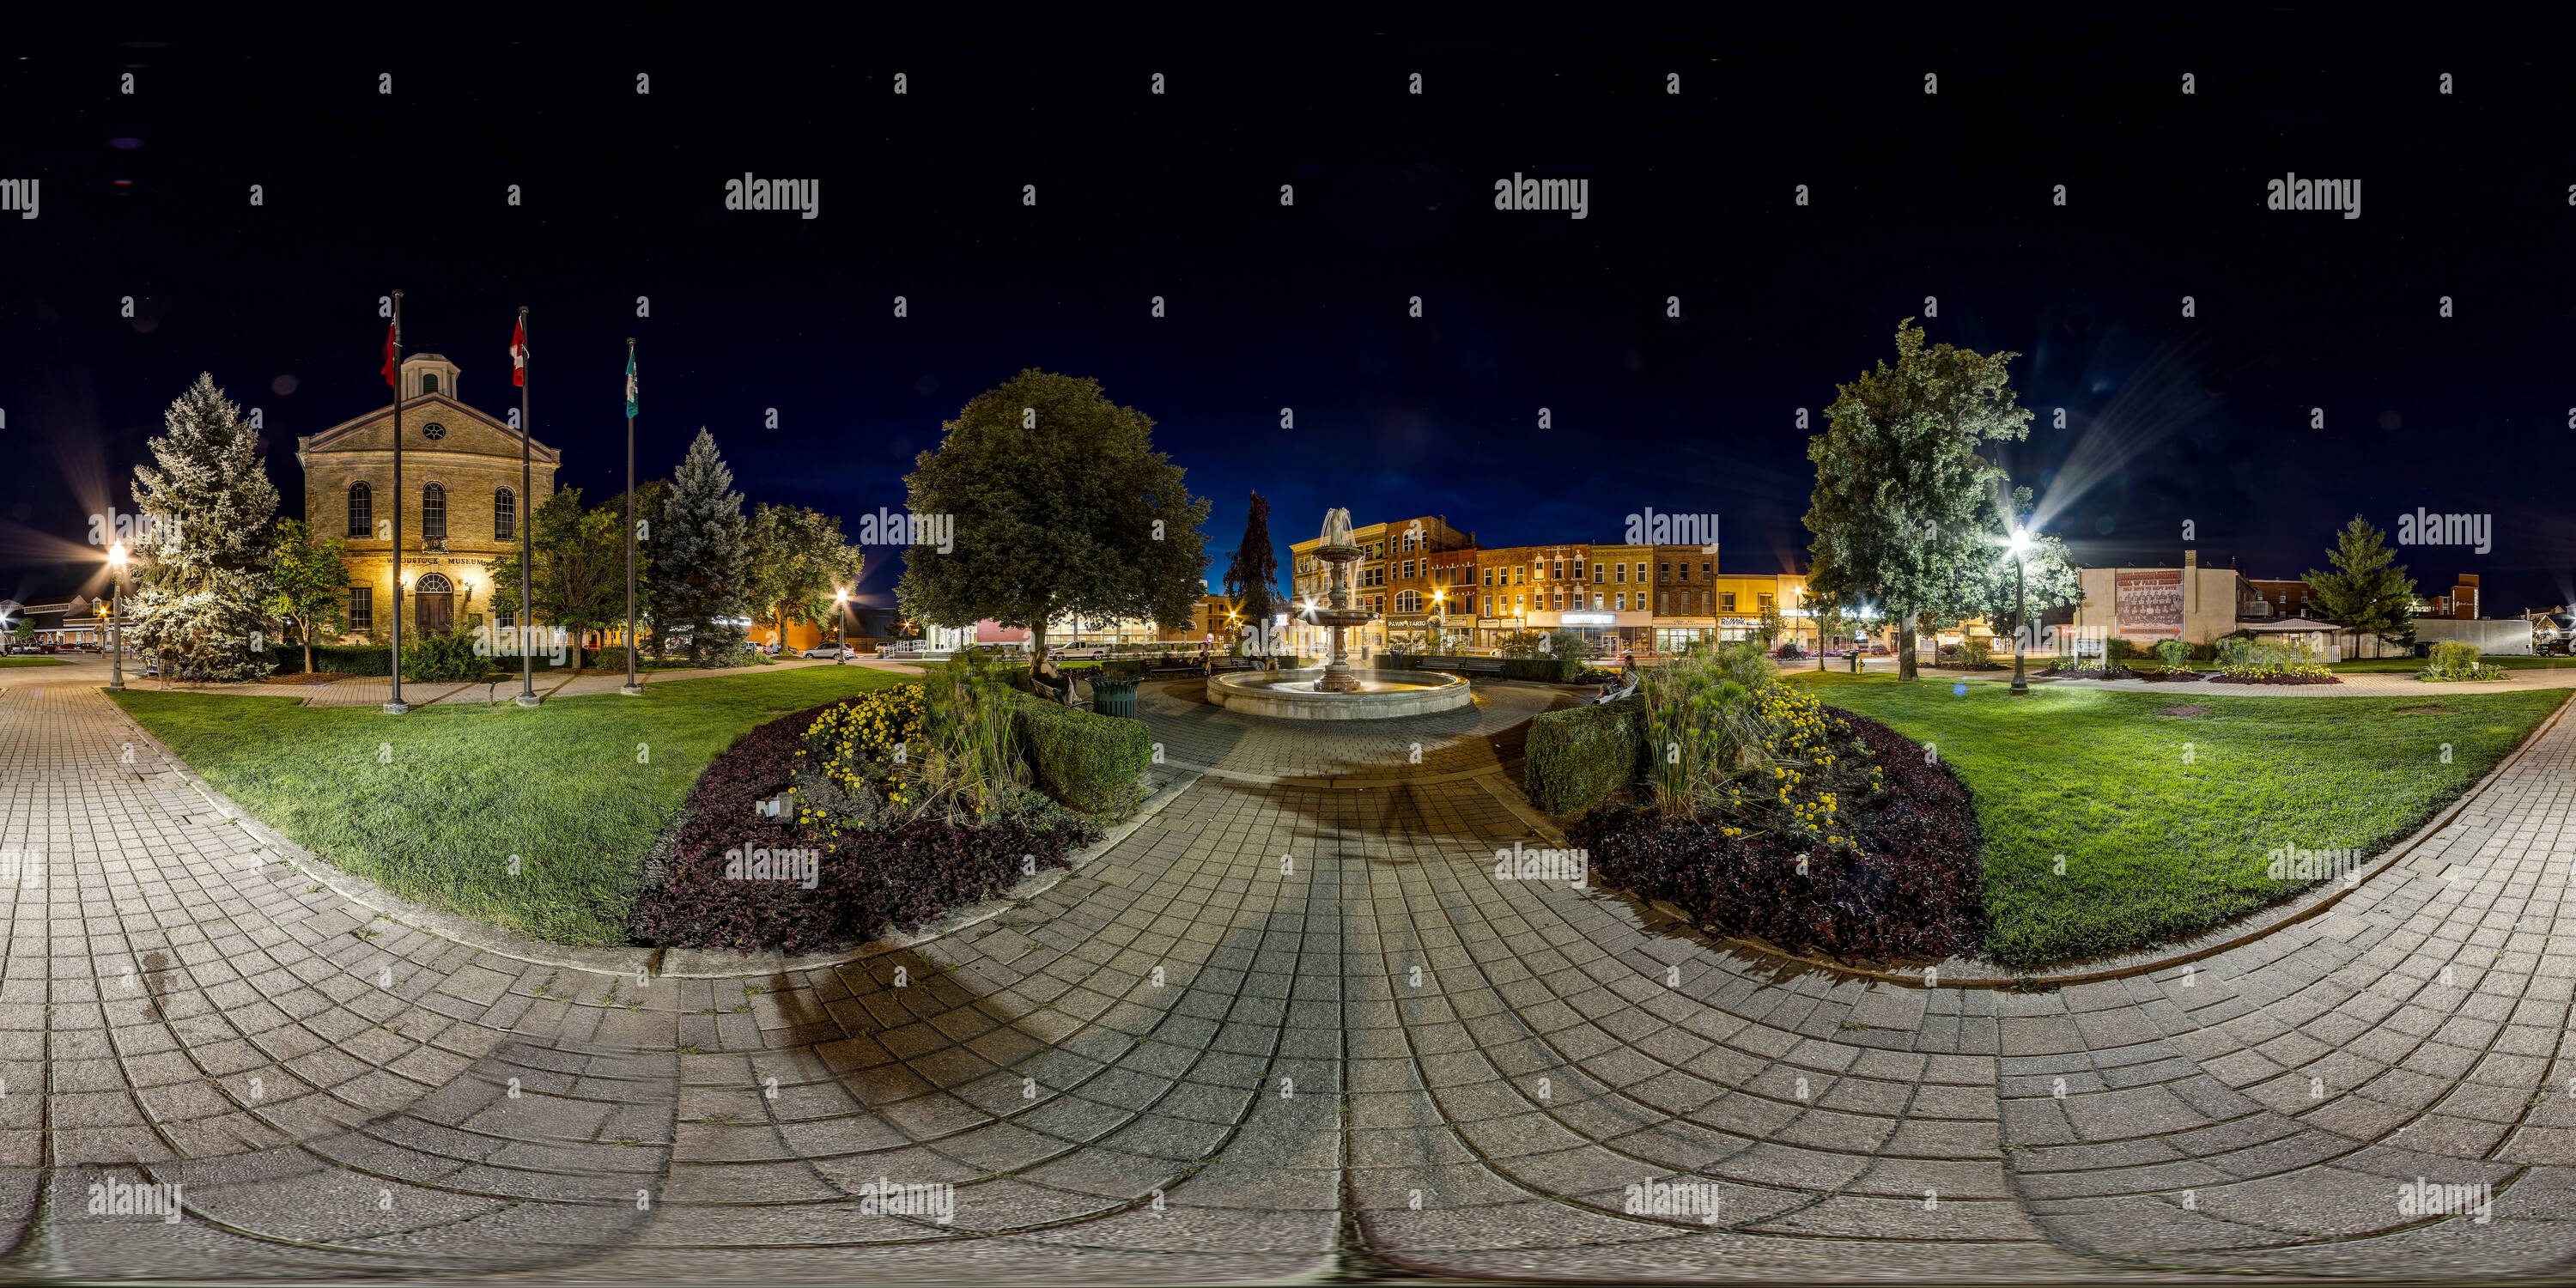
1061, 508
580, 582
311, 579
797, 560
2368, 590
1899, 482
207, 510
2049, 575
652, 501
1252, 576
702, 559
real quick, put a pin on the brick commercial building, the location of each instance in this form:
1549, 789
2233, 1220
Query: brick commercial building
461, 508
1394, 579
1453, 593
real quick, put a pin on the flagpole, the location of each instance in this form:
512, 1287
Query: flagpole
527, 529
395, 706
632, 689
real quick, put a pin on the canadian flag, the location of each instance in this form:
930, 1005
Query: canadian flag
393, 363
519, 353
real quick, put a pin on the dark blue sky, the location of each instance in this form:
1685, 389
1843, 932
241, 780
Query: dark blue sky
2205, 419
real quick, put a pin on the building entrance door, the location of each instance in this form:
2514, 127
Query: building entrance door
436, 599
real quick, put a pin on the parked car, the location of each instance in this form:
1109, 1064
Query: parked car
832, 651
1088, 652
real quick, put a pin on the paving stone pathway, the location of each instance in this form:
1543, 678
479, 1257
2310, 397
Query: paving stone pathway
1282, 1031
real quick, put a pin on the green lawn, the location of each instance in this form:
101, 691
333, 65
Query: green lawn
2165, 822
433, 804
2411, 665
32, 661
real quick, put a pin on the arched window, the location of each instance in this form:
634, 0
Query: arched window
433, 513
432, 583
505, 514
362, 510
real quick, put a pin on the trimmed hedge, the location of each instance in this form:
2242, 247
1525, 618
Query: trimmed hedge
1086, 761
1914, 892
344, 659
1579, 758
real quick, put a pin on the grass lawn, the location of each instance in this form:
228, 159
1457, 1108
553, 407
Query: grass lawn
433, 804
2166, 822
2411, 665
32, 661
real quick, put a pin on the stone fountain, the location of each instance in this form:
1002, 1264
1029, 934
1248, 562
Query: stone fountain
1337, 552
1337, 691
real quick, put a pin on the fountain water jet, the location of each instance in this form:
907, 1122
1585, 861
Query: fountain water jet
1338, 692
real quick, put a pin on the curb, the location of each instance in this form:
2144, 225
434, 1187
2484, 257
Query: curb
687, 963
2273, 919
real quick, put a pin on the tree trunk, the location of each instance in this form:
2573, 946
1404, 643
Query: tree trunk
307, 633
1905, 648
1037, 644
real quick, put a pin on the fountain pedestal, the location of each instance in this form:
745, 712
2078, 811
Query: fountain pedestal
1338, 614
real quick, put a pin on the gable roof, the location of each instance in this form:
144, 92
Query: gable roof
352, 425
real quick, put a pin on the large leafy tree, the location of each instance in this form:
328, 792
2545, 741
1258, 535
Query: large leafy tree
2049, 575
1061, 508
797, 560
1252, 576
580, 582
311, 579
1899, 482
652, 502
2368, 590
208, 511
701, 559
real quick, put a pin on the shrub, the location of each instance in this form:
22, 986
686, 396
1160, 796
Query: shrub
1520, 644
1909, 889
2458, 660
2116, 649
443, 657
2235, 650
1977, 653
2173, 652
1545, 670
1090, 762
1728, 742
1579, 758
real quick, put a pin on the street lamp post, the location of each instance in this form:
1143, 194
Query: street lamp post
840, 626
2021, 612
116, 616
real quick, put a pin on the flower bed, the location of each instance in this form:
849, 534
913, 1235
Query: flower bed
2279, 673
877, 830
1906, 887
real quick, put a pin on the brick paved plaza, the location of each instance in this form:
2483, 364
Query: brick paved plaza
1208, 1056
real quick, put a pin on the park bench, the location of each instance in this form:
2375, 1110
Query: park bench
1464, 665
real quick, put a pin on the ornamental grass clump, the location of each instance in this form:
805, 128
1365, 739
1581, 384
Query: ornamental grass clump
2458, 660
1732, 744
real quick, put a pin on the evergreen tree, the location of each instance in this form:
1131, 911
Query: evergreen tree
702, 560
312, 583
203, 546
2365, 593
1252, 576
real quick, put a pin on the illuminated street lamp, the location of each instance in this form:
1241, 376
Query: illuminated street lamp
2021, 610
840, 626
116, 617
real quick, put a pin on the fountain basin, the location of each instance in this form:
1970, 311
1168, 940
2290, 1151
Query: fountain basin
1291, 695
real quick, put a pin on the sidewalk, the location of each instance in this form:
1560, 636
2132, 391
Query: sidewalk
376, 690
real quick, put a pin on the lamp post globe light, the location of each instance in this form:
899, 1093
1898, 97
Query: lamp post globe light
2021, 611
840, 626
116, 617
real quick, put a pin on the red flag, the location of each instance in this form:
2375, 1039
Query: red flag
519, 353
393, 365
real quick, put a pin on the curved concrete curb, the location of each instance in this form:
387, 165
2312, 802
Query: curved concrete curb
664, 963
2250, 928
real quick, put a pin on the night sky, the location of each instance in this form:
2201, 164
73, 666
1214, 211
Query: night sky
1950, 195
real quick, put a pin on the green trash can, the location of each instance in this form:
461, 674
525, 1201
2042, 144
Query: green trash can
1114, 695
